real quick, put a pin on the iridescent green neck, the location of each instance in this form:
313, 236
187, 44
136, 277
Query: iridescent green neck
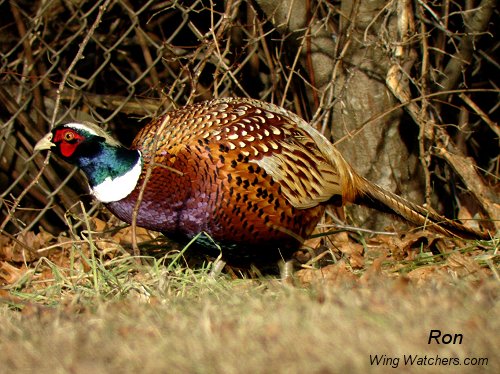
112, 171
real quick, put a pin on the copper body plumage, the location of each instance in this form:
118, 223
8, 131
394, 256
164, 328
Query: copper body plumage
245, 172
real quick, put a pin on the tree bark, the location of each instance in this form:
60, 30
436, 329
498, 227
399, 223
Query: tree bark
355, 69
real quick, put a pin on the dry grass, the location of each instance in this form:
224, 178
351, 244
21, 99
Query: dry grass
83, 311
224, 326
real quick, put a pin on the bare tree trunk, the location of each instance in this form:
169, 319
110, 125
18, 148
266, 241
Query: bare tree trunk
354, 69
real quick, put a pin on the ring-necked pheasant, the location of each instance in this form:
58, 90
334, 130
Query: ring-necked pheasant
252, 175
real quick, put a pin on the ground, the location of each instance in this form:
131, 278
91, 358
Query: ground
83, 303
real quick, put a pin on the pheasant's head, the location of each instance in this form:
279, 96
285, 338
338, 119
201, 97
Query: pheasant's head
74, 141
111, 169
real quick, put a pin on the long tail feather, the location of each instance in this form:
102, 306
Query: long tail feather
370, 194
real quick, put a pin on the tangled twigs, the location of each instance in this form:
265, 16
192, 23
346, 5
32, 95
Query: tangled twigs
31, 67
78, 56
476, 25
465, 167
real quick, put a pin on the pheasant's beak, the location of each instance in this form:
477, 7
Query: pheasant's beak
44, 143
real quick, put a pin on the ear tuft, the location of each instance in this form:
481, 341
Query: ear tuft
95, 130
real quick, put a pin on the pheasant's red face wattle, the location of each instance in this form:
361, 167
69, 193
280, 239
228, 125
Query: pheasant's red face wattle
67, 140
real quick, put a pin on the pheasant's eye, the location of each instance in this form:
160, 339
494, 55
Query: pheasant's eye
69, 136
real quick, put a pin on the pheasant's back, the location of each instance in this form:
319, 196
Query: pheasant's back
251, 175
307, 166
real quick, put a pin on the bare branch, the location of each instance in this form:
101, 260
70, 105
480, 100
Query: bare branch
476, 26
